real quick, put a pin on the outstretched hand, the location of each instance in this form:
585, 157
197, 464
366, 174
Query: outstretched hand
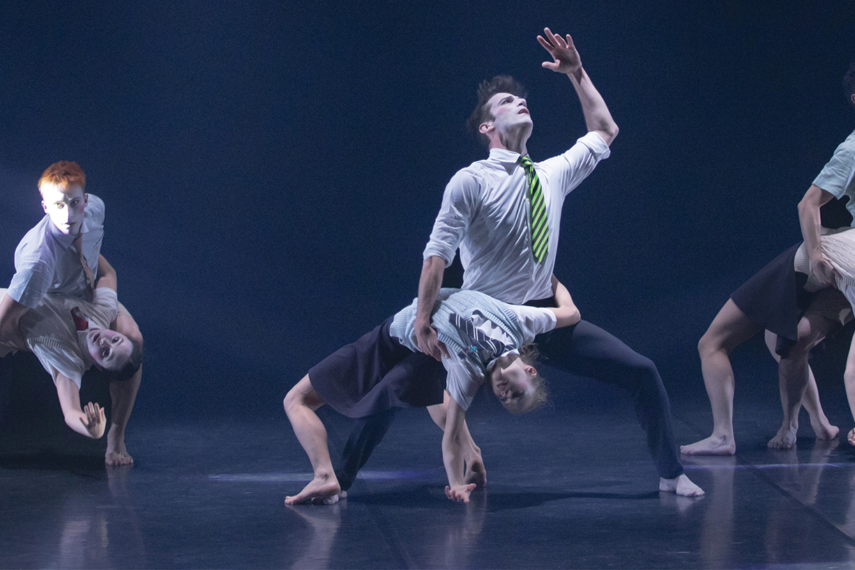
93, 420
459, 493
564, 55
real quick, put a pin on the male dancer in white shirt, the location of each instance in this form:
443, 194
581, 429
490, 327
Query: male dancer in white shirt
48, 260
485, 212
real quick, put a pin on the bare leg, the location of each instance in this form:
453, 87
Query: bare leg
300, 405
786, 436
122, 395
475, 471
729, 329
849, 381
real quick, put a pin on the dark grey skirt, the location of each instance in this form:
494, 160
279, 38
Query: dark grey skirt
376, 373
775, 297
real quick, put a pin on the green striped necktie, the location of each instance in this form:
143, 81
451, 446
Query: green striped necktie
538, 222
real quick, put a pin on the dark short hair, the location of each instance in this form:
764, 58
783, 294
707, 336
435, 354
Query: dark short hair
849, 83
499, 84
131, 366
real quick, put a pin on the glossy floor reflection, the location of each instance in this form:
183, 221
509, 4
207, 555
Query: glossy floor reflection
569, 488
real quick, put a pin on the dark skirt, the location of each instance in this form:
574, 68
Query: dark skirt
376, 373
775, 297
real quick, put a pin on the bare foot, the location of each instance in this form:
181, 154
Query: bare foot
475, 472
320, 491
785, 438
117, 453
681, 485
713, 445
823, 428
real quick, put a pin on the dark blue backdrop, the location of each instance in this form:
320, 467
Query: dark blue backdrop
272, 169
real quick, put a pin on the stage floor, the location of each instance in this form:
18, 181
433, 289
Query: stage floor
571, 487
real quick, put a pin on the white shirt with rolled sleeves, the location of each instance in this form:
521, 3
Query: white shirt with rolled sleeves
838, 175
485, 212
47, 262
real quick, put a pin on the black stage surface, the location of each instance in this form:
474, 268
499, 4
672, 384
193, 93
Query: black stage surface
569, 487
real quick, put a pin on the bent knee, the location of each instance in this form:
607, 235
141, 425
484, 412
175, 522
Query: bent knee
292, 399
708, 345
807, 338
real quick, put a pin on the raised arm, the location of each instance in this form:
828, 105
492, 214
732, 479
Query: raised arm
430, 282
566, 60
106, 274
453, 441
809, 219
566, 312
11, 312
89, 421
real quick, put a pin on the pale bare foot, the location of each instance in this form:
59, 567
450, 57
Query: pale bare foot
713, 445
823, 428
785, 438
322, 490
475, 472
117, 453
681, 485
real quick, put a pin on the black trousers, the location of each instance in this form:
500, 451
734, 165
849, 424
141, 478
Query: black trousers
583, 350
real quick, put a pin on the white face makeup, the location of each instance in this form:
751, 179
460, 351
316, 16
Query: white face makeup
64, 206
510, 116
110, 350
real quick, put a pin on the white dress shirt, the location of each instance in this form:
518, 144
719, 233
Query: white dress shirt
838, 175
47, 262
485, 212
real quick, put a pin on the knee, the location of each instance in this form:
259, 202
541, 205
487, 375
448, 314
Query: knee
708, 345
646, 376
807, 339
293, 399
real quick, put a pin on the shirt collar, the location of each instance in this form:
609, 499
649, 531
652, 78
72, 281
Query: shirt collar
504, 156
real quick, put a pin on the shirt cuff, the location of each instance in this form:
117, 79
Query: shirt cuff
596, 145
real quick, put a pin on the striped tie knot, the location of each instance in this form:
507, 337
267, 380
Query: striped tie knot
538, 222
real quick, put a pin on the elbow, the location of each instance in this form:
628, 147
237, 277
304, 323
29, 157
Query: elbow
575, 316
434, 264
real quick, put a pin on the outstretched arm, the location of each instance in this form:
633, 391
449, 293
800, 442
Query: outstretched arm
89, 421
106, 274
453, 440
430, 282
565, 59
809, 219
566, 312
11, 312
